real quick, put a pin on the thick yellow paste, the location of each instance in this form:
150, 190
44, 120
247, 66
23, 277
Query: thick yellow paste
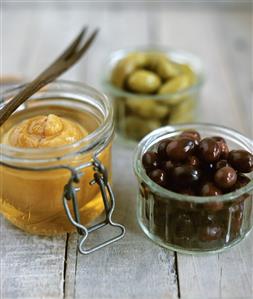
44, 131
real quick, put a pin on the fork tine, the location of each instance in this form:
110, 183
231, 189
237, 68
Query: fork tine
74, 44
72, 47
71, 54
87, 44
68, 52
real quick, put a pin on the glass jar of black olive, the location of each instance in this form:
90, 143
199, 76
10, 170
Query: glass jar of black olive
196, 214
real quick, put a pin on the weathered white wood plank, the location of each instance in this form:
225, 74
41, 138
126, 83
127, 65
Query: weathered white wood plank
71, 262
234, 33
226, 275
31, 266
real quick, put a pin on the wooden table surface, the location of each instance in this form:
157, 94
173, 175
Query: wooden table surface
50, 267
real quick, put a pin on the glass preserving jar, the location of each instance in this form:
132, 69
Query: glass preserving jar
138, 114
54, 190
193, 224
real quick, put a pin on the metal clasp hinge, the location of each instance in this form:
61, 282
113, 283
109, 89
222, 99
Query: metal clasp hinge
100, 178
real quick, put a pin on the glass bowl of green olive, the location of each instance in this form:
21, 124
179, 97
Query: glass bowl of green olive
152, 87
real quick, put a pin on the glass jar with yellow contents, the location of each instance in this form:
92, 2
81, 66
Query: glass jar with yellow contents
55, 162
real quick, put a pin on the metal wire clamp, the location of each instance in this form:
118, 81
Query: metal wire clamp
100, 178
69, 193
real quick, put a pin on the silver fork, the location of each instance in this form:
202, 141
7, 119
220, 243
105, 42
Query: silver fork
68, 58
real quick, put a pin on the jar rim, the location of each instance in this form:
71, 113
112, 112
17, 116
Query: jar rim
86, 143
152, 138
119, 54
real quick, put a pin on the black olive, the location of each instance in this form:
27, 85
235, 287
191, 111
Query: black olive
225, 177
209, 150
150, 160
185, 175
241, 160
180, 149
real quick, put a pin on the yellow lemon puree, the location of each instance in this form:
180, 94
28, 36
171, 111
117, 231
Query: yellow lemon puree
32, 200
44, 131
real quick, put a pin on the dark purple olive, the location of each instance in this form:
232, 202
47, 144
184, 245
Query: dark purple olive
180, 149
168, 167
161, 149
236, 221
158, 176
235, 207
191, 134
186, 205
242, 180
209, 189
144, 190
210, 233
213, 206
185, 175
208, 219
162, 204
241, 160
193, 161
209, 167
223, 146
221, 163
150, 160
209, 150
183, 226
225, 177
160, 209
187, 191
208, 170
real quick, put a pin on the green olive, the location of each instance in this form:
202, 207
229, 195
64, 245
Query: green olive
167, 69
136, 128
162, 65
142, 107
176, 84
142, 81
187, 70
153, 59
147, 108
183, 112
126, 66
160, 111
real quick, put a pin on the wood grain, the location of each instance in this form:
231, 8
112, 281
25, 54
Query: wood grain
31, 266
226, 275
71, 265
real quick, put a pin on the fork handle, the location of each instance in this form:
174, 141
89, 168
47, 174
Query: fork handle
43, 79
